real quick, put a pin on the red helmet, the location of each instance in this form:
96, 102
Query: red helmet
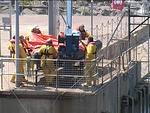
61, 34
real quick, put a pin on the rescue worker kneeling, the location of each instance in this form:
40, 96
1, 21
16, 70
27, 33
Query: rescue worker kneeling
90, 65
48, 52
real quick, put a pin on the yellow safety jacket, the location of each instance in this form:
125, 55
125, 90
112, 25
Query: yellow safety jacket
22, 53
84, 35
47, 52
11, 47
91, 51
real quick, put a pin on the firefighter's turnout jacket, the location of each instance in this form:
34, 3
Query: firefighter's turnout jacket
48, 52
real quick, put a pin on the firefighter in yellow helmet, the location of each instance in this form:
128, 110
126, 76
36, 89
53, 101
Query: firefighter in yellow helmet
48, 52
90, 65
22, 54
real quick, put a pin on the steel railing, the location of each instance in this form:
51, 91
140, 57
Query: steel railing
54, 72
59, 73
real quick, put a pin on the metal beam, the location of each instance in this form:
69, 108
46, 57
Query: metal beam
91, 17
17, 42
129, 35
50, 17
69, 17
139, 25
10, 4
139, 16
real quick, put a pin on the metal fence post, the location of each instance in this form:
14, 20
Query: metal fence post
0, 42
126, 28
102, 70
121, 30
102, 32
91, 17
17, 43
112, 26
57, 74
96, 32
107, 31
10, 31
110, 70
1, 73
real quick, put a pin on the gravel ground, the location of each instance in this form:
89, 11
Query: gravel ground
26, 22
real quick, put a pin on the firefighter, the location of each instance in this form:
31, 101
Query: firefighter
83, 33
48, 52
36, 30
22, 54
11, 47
25, 45
90, 65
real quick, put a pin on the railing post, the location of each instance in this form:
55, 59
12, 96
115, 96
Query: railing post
126, 28
57, 74
119, 64
0, 42
123, 62
102, 70
129, 29
36, 73
111, 70
121, 30
1, 64
28, 67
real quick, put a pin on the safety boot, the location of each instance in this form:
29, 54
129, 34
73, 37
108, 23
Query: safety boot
86, 84
24, 80
21, 84
13, 79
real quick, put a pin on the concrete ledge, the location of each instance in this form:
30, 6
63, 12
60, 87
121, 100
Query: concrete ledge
50, 93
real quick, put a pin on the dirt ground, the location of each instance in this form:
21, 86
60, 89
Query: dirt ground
26, 22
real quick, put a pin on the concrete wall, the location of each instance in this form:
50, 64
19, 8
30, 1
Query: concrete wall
107, 99
117, 48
